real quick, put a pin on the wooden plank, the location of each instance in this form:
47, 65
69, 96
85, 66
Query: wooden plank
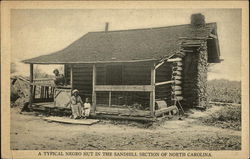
123, 88
72, 121
162, 83
93, 87
123, 117
152, 93
175, 60
121, 111
31, 86
158, 65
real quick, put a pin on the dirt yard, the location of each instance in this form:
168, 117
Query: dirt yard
30, 132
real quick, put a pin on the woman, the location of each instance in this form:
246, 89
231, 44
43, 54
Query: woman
59, 79
76, 104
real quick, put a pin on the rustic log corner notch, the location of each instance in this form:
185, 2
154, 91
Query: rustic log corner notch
128, 81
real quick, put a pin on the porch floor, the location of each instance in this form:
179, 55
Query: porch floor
115, 112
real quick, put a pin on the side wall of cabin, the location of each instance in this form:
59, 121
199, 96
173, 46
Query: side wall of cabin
112, 74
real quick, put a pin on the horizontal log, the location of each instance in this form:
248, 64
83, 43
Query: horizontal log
162, 83
177, 64
176, 77
174, 60
123, 88
177, 82
177, 68
176, 73
177, 92
176, 88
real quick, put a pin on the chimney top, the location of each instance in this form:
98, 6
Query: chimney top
198, 20
106, 26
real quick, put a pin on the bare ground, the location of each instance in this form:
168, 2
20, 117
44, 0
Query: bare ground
31, 132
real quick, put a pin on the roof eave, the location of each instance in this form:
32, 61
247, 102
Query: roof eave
91, 62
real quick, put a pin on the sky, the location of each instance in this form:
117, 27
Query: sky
36, 32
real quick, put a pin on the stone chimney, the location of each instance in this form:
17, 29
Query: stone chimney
106, 27
198, 20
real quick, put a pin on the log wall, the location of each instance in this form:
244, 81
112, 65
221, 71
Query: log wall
82, 79
132, 74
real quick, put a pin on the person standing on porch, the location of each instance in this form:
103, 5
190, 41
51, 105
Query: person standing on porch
76, 105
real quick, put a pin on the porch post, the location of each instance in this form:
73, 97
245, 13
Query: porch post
31, 85
93, 85
65, 74
152, 93
71, 77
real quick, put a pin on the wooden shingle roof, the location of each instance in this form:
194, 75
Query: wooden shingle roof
125, 45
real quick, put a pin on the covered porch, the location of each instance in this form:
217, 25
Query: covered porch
140, 90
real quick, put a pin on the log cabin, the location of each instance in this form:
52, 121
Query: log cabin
134, 74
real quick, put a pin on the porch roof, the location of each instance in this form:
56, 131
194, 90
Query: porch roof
126, 45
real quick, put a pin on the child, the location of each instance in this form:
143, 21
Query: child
87, 107
76, 104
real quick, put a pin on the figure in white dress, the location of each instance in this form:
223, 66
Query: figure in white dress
87, 108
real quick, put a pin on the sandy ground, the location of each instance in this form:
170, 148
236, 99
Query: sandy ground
31, 132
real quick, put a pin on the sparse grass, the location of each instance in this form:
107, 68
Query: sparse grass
227, 117
220, 142
224, 91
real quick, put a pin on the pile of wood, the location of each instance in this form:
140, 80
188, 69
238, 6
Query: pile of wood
19, 91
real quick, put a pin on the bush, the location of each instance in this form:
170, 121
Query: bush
224, 91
